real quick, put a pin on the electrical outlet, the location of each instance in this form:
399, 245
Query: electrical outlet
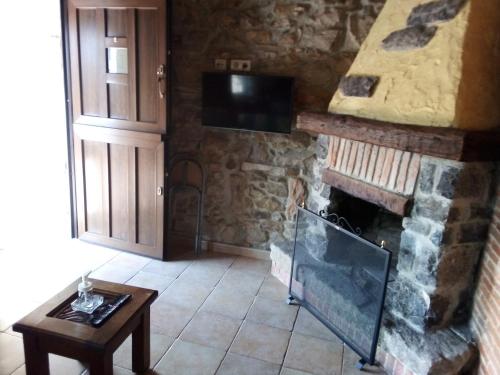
220, 64
241, 65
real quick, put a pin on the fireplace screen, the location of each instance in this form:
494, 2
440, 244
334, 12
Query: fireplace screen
341, 279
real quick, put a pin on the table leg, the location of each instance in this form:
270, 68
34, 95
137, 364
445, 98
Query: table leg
141, 344
101, 364
37, 360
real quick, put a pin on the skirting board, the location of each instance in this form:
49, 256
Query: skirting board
235, 250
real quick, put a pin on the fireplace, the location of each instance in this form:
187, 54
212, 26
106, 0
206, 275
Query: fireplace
432, 211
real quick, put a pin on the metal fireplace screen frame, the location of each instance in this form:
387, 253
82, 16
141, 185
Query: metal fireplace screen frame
341, 279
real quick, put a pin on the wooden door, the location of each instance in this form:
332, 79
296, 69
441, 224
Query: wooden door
117, 68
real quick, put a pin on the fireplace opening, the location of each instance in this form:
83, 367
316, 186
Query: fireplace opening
375, 223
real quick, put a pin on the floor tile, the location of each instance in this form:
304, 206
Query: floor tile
11, 353
168, 319
15, 309
172, 268
307, 324
216, 259
127, 260
350, 359
290, 371
261, 342
205, 274
185, 358
20, 371
11, 332
121, 371
228, 302
252, 265
151, 281
244, 281
272, 288
185, 293
314, 355
235, 364
114, 273
272, 313
211, 329
58, 366
159, 346
64, 366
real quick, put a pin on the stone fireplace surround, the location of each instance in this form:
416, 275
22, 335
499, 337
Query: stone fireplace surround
439, 183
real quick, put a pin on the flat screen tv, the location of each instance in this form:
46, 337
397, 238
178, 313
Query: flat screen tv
247, 102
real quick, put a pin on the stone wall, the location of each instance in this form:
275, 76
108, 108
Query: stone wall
250, 175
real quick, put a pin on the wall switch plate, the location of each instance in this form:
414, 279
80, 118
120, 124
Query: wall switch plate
241, 65
220, 64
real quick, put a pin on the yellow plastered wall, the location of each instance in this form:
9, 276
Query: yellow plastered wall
454, 81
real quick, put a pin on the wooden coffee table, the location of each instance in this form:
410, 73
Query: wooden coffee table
43, 334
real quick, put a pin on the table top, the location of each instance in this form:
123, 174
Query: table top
124, 319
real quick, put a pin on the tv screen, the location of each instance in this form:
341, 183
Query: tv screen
248, 102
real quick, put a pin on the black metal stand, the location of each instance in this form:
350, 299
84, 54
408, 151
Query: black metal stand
361, 364
291, 301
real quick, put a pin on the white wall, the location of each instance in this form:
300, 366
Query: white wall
34, 190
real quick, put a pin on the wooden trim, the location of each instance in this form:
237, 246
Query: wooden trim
393, 202
248, 252
447, 143
132, 65
117, 78
122, 137
119, 124
69, 112
116, 42
145, 4
102, 87
132, 194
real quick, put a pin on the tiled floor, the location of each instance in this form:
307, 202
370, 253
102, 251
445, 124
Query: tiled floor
217, 314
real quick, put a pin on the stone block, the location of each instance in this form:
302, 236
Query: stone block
473, 232
432, 208
442, 236
456, 267
406, 258
435, 11
418, 225
268, 169
426, 179
425, 266
407, 300
438, 311
479, 211
454, 214
447, 182
475, 182
409, 38
441, 352
358, 85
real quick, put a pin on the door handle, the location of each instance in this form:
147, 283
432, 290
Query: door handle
160, 76
159, 190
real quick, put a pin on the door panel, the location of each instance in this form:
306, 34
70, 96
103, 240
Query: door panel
116, 50
147, 43
118, 175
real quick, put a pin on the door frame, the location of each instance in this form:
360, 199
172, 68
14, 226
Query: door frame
63, 6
